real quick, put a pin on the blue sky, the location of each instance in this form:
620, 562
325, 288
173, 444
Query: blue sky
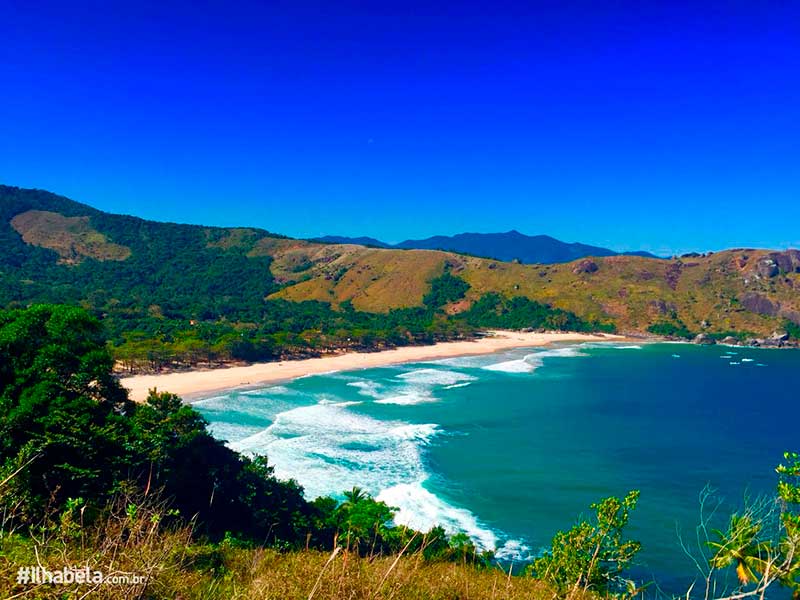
668, 126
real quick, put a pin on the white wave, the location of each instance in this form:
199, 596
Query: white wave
420, 509
563, 352
457, 385
734, 363
329, 449
676, 356
747, 360
231, 432
513, 550
423, 433
528, 364
210, 402
432, 377
342, 403
408, 398
367, 388
610, 346
467, 362
412, 387
320, 374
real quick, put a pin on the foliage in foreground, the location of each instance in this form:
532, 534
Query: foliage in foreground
88, 478
125, 542
69, 437
592, 555
760, 544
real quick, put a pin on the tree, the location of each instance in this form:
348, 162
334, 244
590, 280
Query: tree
593, 554
789, 495
761, 542
355, 496
740, 546
445, 289
60, 406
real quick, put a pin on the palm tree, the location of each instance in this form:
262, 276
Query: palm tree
355, 496
739, 545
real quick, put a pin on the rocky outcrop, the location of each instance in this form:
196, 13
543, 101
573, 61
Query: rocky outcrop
767, 267
703, 338
776, 263
585, 266
761, 305
673, 274
758, 304
776, 340
661, 307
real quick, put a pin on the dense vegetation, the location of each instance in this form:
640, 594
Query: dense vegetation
494, 310
173, 295
793, 330
190, 294
671, 329
87, 477
309, 328
70, 434
445, 289
187, 294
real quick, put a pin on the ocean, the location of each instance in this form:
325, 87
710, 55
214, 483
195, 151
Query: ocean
512, 447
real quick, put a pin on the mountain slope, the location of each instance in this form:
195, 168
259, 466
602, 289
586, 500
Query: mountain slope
509, 246
512, 245
724, 292
54, 249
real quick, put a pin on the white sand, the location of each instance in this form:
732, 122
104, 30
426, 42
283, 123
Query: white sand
188, 384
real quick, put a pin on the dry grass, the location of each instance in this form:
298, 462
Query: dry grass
633, 291
297, 575
175, 570
373, 279
133, 538
73, 238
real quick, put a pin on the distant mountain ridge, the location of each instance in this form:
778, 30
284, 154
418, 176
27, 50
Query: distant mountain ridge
508, 246
361, 241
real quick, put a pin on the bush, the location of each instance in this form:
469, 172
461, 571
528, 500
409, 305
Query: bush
445, 289
592, 555
670, 329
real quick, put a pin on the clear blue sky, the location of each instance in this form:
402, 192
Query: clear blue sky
667, 126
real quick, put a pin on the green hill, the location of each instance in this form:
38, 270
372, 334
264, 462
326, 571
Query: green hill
168, 290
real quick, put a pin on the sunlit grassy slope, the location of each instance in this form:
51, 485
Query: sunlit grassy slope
725, 291
745, 291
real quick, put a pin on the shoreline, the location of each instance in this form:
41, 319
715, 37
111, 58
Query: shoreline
192, 385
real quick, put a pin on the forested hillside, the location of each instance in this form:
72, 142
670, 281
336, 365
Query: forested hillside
174, 294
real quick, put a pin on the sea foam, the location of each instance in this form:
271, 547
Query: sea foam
411, 387
527, 364
328, 449
420, 509
433, 377
530, 362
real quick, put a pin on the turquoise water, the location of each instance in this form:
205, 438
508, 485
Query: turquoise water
512, 447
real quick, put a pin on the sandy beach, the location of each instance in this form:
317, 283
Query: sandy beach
194, 384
